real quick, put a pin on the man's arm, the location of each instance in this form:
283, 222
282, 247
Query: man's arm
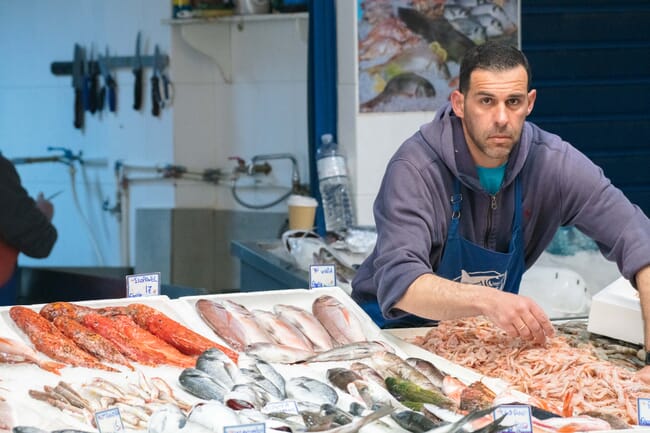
643, 286
440, 299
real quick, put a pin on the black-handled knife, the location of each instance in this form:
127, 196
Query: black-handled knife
78, 84
155, 95
137, 75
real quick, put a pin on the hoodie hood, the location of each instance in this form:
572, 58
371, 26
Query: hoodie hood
446, 128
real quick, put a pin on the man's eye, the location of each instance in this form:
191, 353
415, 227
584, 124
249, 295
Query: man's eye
486, 101
514, 102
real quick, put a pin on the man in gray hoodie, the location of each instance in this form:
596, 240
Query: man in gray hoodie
472, 199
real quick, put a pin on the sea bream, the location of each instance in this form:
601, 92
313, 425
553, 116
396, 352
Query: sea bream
281, 330
338, 320
308, 324
232, 322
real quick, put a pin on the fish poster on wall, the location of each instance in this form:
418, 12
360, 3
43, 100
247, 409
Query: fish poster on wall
410, 50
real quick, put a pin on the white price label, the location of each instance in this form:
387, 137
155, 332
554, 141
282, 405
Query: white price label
139, 285
109, 421
322, 276
643, 411
517, 418
259, 427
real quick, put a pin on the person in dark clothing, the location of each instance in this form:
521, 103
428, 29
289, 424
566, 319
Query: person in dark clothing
473, 198
25, 227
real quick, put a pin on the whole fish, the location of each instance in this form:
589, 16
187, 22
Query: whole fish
428, 369
166, 419
47, 339
15, 351
201, 384
232, 322
372, 394
403, 85
255, 378
265, 369
174, 333
405, 390
90, 341
105, 327
368, 373
467, 423
282, 331
389, 364
215, 363
277, 353
149, 343
349, 352
304, 388
338, 320
341, 377
413, 421
358, 423
246, 396
55, 309
212, 416
307, 323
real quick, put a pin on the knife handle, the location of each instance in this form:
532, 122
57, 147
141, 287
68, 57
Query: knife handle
155, 96
111, 92
137, 89
78, 109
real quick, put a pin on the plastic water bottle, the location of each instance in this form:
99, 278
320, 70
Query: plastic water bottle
334, 186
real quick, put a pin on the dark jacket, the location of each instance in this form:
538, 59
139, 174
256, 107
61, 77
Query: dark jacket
560, 187
22, 225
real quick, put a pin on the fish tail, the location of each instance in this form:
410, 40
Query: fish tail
52, 367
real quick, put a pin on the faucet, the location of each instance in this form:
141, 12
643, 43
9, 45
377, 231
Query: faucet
265, 168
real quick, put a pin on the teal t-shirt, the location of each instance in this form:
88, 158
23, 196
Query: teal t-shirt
491, 178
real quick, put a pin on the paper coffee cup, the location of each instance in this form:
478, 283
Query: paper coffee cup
302, 212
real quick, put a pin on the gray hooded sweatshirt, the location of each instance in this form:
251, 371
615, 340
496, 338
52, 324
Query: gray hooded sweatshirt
560, 187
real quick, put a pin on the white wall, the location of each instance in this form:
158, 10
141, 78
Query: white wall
262, 111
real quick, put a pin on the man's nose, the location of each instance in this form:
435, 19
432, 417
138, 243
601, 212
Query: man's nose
501, 114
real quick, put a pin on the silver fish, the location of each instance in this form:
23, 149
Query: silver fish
497, 12
428, 369
246, 396
453, 12
256, 378
277, 353
471, 28
166, 419
338, 320
201, 384
368, 373
372, 394
493, 27
304, 388
212, 415
391, 365
349, 352
413, 421
307, 324
358, 423
265, 369
215, 363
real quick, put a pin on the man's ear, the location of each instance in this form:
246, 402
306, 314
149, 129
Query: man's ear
532, 95
457, 103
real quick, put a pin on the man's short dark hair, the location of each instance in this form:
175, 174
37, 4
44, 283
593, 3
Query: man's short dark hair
491, 56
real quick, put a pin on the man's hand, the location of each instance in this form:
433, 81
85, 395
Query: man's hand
644, 374
520, 316
45, 206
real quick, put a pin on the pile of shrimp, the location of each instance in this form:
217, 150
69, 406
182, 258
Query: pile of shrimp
563, 376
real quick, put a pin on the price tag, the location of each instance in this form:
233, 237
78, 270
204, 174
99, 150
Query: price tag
284, 407
258, 427
518, 418
143, 285
643, 411
109, 421
322, 276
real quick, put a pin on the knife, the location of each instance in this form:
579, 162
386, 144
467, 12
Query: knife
137, 73
156, 99
91, 86
78, 84
108, 91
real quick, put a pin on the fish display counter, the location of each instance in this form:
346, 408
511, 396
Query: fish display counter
281, 360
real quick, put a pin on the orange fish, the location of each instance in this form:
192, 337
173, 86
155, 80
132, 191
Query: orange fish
179, 336
48, 339
14, 351
90, 341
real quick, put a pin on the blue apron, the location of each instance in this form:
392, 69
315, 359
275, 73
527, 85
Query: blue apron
466, 262
9, 290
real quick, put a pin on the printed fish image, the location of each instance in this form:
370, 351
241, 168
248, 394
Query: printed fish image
437, 29
408, 85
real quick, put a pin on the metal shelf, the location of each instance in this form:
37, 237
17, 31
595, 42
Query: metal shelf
211, 36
